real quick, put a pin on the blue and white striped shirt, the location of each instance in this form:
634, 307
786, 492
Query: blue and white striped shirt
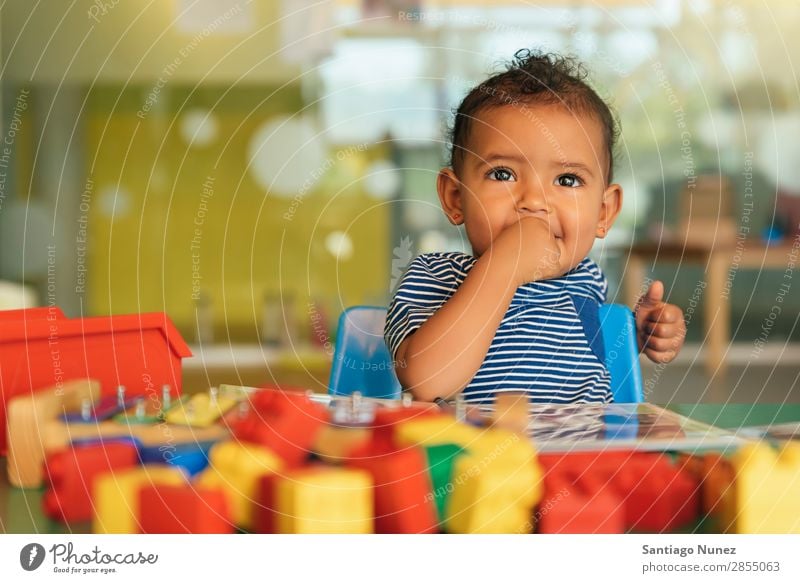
548, 343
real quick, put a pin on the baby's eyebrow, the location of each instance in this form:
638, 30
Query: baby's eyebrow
494, 157
575, 165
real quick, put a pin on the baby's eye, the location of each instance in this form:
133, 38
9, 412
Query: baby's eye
569, 180
501, 175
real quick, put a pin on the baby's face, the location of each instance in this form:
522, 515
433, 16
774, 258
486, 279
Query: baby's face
527, 160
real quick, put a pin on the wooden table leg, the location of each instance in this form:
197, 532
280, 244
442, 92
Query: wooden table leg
634, 279
717, 314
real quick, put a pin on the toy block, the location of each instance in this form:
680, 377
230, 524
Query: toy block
387, 419
569, 508
27, 415
493, 497
495, 486
718, 498
264, 514
71, 475
402, 491
150, 409
236, 467
441, 459
656, 494
41, 348
116, 496
324, 500
434, 430
658, 497
389, 416
93, 411
202, 409
334, 445
57, 435
511, 411
766, 489
191, 456
286, 422
167, 509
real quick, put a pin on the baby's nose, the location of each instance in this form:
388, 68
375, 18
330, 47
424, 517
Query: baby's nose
532, 202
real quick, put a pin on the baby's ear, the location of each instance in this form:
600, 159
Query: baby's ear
450, 195
609, 209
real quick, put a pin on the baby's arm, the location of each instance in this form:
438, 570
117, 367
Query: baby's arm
442, 356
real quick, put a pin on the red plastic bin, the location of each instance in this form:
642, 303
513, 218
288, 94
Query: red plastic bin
40, 348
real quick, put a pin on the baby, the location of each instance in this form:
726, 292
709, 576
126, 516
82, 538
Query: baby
530, 178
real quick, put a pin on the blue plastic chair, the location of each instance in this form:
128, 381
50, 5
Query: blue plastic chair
361, 361
622, 353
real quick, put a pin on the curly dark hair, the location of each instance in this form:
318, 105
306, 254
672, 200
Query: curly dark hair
534, 77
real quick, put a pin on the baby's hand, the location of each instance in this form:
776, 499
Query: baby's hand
660, 328
532, 251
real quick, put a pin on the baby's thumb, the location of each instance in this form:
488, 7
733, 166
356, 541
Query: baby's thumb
655, 294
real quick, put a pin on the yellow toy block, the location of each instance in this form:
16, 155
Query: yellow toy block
436, 430
325, 501
495, 487
116, 496
202, 409
236, 468
443, 429
766, 490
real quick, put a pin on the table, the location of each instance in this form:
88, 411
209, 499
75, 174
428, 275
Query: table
721, 263
20, 510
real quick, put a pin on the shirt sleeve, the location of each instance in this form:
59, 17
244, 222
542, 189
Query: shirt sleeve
426, 285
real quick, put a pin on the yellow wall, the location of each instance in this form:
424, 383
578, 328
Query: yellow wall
141, 256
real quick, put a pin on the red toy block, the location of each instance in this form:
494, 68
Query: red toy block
264, 520
570, 509
168, 509
40, 347
71, 474
286, 422
403, 495
656, 494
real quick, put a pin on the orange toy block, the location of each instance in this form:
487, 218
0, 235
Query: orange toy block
324, 500
28, 415
236, 468
286, 422
718, 476
334, 444
116, 496
166, 509
511, 411
71, 474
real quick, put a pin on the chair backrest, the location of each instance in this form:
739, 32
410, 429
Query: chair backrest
362, 362
622, 353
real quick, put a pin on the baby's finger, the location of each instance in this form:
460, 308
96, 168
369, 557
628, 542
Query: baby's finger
659, 356
661, 344
661, 330
665, 313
